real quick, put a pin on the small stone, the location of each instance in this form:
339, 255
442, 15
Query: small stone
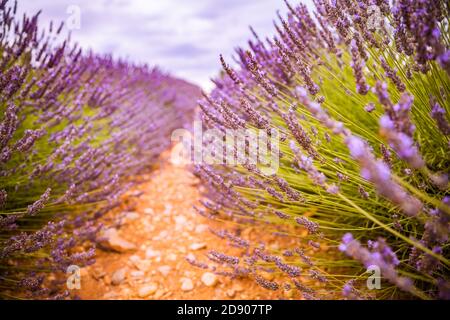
274, 246
201, 228
186, 284
209, 279
180, 220
125, 293
148, 211
190, 256
110, 295
131, 215
114, 242
147, 290
143, 265
118, 276
162, 236
98, 273
172, 257
137, 274
135, 193
134, 258
197, 246
167, 209
231, 293
164, 270
237, 287
159, 294
150, 253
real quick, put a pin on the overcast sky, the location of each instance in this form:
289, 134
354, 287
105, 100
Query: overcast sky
184, 37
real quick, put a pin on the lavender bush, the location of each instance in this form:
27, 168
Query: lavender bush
359, 91
75, 129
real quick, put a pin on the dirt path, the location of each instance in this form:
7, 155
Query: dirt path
155, 239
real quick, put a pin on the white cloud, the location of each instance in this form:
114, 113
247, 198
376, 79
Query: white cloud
182, 37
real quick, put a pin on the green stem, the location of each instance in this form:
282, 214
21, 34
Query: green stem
394, 232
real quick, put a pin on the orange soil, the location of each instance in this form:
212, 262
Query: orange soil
166, 227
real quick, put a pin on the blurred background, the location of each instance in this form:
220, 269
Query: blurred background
184, 38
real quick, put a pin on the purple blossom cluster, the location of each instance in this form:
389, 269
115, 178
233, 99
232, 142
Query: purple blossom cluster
380, 256
359, 92
75, 129
379, 174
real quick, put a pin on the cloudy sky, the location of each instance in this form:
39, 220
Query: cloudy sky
184, 37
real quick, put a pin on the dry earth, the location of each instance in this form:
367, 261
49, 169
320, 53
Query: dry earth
154, 240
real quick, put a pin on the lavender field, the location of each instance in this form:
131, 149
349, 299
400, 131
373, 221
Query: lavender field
310, 163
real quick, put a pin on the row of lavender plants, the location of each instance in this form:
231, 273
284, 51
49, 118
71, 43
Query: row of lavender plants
75, 129
359, 90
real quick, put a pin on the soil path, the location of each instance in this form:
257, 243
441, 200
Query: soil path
155, 238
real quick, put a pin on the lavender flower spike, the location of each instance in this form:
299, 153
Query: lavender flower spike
385, 260
377, 172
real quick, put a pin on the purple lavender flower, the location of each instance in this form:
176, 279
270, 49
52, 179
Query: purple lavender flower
222, 258
312, 227
379, 174
270, 285
386, 260
39, 204
439, 115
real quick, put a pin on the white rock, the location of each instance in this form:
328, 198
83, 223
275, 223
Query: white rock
137, 274
238, 288
150, 253
209, 279
147, 290
134, 258
180, 220
118, 276
113, 241
186, 284
190, 256
158, 295
164, 270
97, 273
125, 293
131, 215
143, 265
110, 295
197, 246
201, 228
167, 209
149, 211
161, 236
172, 257
231, 293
